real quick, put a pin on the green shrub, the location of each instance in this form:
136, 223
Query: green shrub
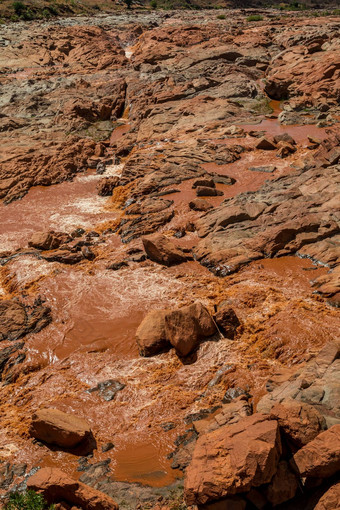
19, 7
29, 500
153, 4
221, 16
255, 17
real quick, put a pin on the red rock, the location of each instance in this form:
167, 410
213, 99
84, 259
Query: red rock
206, 191
56, 427
187, 326
321, 457
17, 320
163, 250
265, 144
284, 137
199, 204
56, 486
283, 486
300, 422
150, 335
106, 186
48, 240
227, 321
330, 500
208, 183
233, 459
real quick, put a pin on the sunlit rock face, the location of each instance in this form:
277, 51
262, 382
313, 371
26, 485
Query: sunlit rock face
169, 261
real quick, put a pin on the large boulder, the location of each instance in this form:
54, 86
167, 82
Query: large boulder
163, 250
300, 422
233, 459
150, 336
56, 427
321, 457
56, 486
188, 325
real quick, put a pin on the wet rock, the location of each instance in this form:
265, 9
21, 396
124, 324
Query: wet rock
229, 414
205, 191
199, 204
63, 256
48, 240
284, 137
285, 149
163, 250
107, 389
320, 458
56, 427
55, 485
283, 486
330, 500
268, 169
107, 447
265, 144
144, 225
207, 183
227, 321
151, 334
233, 393
187, 326
233, 459
106, 186
87, 253
17, 320
299, 422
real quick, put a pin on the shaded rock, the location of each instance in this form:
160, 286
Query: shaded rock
233, 459
151, 335
185, 327
321, 457
199, 204
205, 191
55, 486
265, 144
232, 503
330, 500
227, 321
17, 320
207, 183
163, 250
106, 186
233, 393
300, 422
56, 427
283, 485
63, 256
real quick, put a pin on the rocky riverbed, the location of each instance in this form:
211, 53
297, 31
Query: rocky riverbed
169, 260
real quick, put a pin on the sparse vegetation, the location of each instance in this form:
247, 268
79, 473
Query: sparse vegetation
255, 17
153, 4
28, 500
221, 16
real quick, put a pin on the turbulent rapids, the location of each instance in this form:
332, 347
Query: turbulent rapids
169, 260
